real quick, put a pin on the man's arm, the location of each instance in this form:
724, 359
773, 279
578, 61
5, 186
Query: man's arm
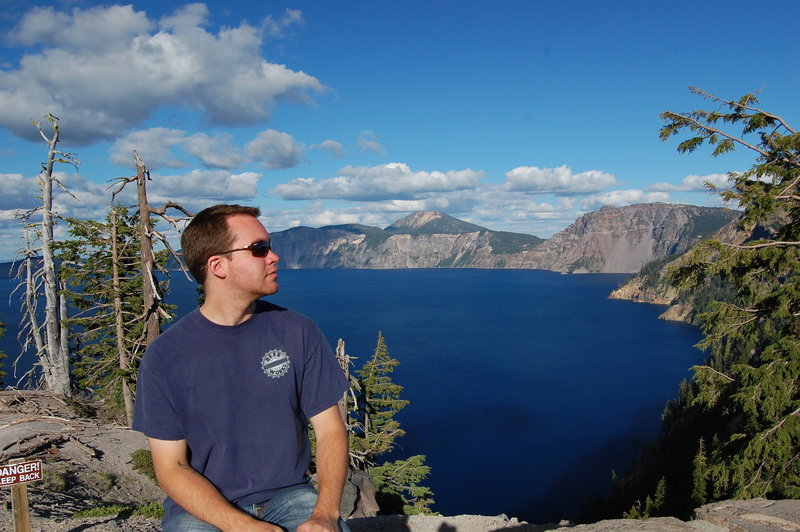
332, 463
194, 493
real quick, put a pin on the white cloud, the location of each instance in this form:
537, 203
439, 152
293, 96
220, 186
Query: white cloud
277, 28
106, 69
19, 192
154, 145
275, 149
392, 181
559, 180
217, 185
82, 29
692, 183
368, 142
215, 151
621, 198
330, 146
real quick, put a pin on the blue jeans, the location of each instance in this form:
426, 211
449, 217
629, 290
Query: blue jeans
287, 510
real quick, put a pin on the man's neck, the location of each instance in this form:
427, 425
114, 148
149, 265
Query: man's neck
227, 312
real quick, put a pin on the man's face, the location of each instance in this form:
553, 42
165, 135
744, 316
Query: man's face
256, 276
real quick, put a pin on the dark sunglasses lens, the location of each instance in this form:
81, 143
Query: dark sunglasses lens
260, 249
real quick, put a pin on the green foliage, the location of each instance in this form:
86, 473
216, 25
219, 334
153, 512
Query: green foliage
734, 430
101, 511
153, 510
142, 462
398, 489
373, 430
101, 269
653, 506
700, 475
374, 426
753, 338
505, 242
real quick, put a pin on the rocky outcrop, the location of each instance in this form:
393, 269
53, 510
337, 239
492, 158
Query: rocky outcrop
655, 288
756, 515
611, 240
622, 240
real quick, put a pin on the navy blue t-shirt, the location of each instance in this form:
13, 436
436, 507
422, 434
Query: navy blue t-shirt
240, 396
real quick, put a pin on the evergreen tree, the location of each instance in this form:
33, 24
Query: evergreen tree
101, 268
749, 388
373, 430
380, 401
743, 403
700, 475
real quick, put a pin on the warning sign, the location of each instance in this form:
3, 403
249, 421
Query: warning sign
11, 474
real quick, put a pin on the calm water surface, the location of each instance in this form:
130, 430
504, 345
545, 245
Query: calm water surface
527, 388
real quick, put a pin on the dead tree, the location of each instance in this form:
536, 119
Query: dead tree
153, 311
52, 347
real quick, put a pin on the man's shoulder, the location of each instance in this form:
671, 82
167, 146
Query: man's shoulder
268, 310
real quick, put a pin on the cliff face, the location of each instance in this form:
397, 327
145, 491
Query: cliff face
622, 240
659, 291
611, 240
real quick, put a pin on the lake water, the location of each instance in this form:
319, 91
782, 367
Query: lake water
528, 389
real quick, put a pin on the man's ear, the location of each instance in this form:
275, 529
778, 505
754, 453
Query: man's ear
217, 266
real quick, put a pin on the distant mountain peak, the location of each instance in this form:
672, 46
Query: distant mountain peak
432, 222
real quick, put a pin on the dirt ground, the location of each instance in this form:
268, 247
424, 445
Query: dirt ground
86, 464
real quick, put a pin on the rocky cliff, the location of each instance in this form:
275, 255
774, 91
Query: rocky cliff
654, 286
611, 240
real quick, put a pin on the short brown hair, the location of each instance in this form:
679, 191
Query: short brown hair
208, 234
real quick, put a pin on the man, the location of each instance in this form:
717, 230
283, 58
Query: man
225, 394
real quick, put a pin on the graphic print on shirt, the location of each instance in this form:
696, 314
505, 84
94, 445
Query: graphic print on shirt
275, 363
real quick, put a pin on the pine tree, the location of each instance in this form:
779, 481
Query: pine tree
373, 433
380, 401
102, 272
749, 384
700, 475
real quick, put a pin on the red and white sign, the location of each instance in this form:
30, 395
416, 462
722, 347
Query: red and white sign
20, 472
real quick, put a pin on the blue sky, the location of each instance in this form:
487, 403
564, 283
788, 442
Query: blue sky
515, 115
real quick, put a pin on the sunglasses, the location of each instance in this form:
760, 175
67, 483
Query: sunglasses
257, 249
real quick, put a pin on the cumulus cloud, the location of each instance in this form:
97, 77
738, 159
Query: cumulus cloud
275, 149
392, 181
214, 151
105, 69
621, 198
19, 192
559, 180
154, 145
692, 183
219, 185
368, 142
330, 146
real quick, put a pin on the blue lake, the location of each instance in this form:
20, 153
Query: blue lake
528, 389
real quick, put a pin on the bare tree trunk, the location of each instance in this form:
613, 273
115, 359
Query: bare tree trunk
55, 362
150, 283
31, 308
344, 363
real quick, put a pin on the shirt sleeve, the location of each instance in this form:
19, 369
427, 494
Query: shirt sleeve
154, 413
324, 382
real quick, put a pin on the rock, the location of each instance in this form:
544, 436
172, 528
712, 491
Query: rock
755, 515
